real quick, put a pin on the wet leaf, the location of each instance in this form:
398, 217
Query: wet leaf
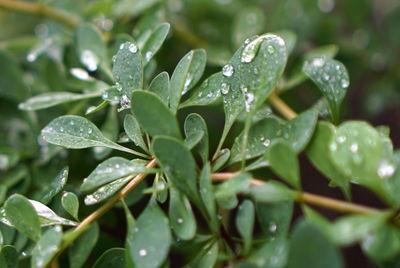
48, 217
181, 216
46, 248
110, 130
275, 218
55, 186
153, 115
112, 258
106, 191
207, 194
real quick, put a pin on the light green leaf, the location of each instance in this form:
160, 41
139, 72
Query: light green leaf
248, 21
154, 42
132, 129
90, 46
112, 169
356, 151
48, 217
221, 159
283, 161
160, 86
392, 184
9, 257
332, 79
23, 216
309, 247
195, 125
50, 99
152, 238
298, 131
55, 186
259, 139
245, 223
319, 154
77, 132
181, 215
171, 154
112, 258
70, 203
350, 229
46, 248
81, 248
106, 191
128, 69
185, 76
271, 192
207, 93
153, 115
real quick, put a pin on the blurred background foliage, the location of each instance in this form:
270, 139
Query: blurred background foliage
37, 54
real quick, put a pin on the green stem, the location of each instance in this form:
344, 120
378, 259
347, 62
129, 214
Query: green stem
42, 10
225, 132
246, 130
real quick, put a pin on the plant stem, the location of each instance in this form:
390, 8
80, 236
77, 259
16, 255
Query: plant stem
40, 9
73, 235
281, 106
311, 199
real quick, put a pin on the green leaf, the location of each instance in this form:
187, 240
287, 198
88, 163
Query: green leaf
91, 49
356, 151
319, 154
194, 123
112, 169
152, 239
48, 217
239, 183
9, 257
207, 195
46, 248
50, 99
247, 22
207, 93
332, 79
81, 248
383, 244
23, 216
284, 162
245, 223
298, 131
309, 247
221, 159
259, 139
112, 258
392, 184
70, 203
178, 163
207, 257
128, 69
110, 130
154, 42
134, 132
185, 76
275, 218
272, 254
106, 191
271, 192
350, 229
12, 86
250, 77
55, 186
181, 215
77, 132
160, 86
153, 115
192, 139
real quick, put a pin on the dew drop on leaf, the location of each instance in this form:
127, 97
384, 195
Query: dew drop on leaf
227, 70
386, 170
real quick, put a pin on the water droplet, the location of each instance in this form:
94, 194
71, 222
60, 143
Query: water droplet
81, 74
114, 58
225, 88
118, 86
160, 186
89, 59
4, 161
179, 220
354, 148
227, 70
122, 46
271, 49
142, 252
148, 55
341, 139
333, 147
31, 57
318, 62
90, 199
266, 142
386, 170
344, 83
273, 227
125, 103
188, 80
250, 50
326, 6
326, 77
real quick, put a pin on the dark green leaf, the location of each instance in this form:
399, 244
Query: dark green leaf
194, 123
272, 254
207, 257
11, 82
275, 218
134, 132
160, 86
112, 258
106, 191
9, 257
207, 194
181, 216
284, 163
154, 42
23, 216
310, 247
46, 248
55, 186
70, 203
48, 217
153, 115
81, 248
152, 238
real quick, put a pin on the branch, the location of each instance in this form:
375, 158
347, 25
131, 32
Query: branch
281, 106
41, 10
311, 199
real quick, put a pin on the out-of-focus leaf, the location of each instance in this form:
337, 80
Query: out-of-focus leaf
160, 86
112, 258
154, 42
181, 216
134, 132
55, 186
245, 223
248, 22
194, 123
80, 250
46, 248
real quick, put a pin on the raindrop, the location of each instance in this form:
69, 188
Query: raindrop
90, 199
386, 170
326, 77
89, 59
319, 62
344, 83
90, 131
4, 160
271, 49
341, 139
266, 142
225, 88
227, 70
354, 148
250, 50
122, 46
133, 48
81, 74
333, 147
149, 55
125, 103
273, 227
179, 220
142, 252
31, 57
